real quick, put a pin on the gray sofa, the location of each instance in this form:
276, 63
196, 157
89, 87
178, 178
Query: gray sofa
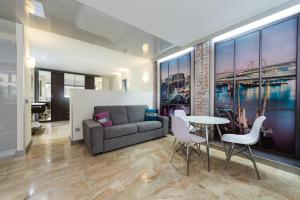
128, 128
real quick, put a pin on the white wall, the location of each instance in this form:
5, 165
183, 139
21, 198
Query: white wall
115, 83
82, 104
105, 83
139, 78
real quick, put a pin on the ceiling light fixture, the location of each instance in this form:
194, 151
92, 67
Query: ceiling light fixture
145, 77
30, 62
177, 54
122, 69
259, 23
35, 8
145, 47
29, 6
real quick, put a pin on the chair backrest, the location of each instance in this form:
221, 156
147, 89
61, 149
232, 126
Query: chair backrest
179, 129
255, 131
181, 114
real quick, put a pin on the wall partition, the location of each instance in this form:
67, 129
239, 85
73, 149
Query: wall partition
256, 75
175, 85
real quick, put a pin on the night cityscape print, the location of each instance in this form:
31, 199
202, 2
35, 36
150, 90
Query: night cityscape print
175, 88
256, 75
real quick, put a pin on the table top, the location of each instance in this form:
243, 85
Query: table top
206, 120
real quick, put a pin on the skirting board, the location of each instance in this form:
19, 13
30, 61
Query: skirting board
75, 141
8, 153
14, 152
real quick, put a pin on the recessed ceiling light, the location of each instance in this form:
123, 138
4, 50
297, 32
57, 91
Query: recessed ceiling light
29, 6
43, 57
122, 69
117, 73
35, 8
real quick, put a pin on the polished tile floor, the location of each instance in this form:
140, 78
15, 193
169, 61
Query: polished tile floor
53, 169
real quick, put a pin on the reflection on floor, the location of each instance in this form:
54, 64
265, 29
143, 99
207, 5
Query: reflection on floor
53, 169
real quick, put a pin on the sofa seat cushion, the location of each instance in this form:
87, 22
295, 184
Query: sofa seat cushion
119, 130
148, 125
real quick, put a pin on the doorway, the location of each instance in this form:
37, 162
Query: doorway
44, 94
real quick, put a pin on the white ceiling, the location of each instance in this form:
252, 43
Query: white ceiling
183, 21
62, 53
98, 23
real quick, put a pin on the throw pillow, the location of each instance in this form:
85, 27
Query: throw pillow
151, 114
103, 118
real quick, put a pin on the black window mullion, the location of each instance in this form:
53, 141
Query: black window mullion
234, 107
260, 70
297, 141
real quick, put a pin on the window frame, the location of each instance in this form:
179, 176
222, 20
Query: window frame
297, 75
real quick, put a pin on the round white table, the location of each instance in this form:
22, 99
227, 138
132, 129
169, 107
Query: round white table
207, 120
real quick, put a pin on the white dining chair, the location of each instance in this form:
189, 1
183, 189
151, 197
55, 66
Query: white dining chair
242, 143
181, 114
185, 139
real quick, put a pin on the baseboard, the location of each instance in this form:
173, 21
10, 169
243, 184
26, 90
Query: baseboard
20, 153
8, 153
73, 142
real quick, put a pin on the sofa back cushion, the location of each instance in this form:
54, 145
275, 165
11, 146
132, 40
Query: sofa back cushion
118, 114
136, 113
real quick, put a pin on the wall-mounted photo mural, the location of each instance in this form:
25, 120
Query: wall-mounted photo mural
256, 75
175, 85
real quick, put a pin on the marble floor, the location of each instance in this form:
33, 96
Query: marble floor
55, 169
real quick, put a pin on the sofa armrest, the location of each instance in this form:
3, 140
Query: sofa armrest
165, 123
93, 136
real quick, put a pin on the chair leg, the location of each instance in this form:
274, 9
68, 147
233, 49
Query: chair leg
174, 142
199, 148
207, 148
223, 143
254, 163
229, 155
187, 159
175, 148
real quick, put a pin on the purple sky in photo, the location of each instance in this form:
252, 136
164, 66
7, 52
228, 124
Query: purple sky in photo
278, 46
178, 65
